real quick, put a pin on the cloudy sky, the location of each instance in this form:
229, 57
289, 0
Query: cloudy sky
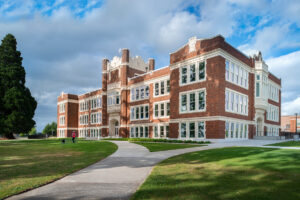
63, 41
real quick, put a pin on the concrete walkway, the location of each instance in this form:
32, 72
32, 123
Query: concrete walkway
119, 175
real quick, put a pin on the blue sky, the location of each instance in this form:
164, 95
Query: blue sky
63, 41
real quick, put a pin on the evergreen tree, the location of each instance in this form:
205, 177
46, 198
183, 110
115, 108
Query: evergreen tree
17, 106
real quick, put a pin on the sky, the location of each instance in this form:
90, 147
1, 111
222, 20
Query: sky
63, 42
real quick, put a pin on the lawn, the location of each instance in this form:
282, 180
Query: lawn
243, 173
30, 163
165, 146
287, 144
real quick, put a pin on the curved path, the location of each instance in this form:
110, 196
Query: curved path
117, 176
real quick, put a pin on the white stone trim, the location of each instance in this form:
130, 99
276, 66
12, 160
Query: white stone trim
211, 118
67, 101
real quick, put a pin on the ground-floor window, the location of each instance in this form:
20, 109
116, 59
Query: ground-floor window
192, 130
139, 131
95, 132
61, 133
161, 131
272, 131
236, 130
83, 133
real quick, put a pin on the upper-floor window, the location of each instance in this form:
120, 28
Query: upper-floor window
84, 106
192, 73
62, 120
236, 74
62, 108
139, 112
83, 119
192, 101
161, 109
96, 118
113, 98
236, 102
161, 88
273, 92
96, 103
139, 93
273, 113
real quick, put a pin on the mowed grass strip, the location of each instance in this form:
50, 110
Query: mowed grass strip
153, 147
30, 163
243, 173
287, 144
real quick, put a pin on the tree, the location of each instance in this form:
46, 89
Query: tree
50, 129
32, 131
17, 106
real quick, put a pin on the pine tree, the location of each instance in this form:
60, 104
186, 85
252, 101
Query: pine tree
17, 106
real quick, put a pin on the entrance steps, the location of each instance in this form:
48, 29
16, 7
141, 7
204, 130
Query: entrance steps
268, 138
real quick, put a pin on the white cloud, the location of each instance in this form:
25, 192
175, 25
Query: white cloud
291, 107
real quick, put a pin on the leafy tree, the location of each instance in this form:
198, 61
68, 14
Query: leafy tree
50, 128
32, 131
17, 106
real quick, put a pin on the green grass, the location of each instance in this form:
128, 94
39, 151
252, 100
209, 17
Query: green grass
243, 173
157, 140
165, 146
287, 144
31, 163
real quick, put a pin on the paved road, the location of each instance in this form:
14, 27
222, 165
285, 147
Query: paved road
119, 175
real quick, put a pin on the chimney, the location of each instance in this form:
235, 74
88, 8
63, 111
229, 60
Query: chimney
104, 64
151, 64
125, 56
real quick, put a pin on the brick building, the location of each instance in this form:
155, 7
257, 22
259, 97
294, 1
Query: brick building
209, 90
288, 123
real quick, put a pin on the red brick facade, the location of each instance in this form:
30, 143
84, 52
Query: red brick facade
131, 85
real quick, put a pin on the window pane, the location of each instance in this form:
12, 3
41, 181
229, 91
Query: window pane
183, 130
167, 131
232, 130
192, 129
156, 110
146, 112
162, 133
156, 89
201, 101
257, 89
168, 86
201, 130
141, 131
201, 70
136, 131
168, 109
137, 92
146, 131
192, 102
184, 75
226, 129
237, 130
227, 70
142, 112
183, 102
147, 91
192, 73
162, 87
162, 109
142, 92
155, 131
137, 113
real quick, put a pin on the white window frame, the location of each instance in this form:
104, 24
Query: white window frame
237, 74
134, 108
188, 66
237, 105
158, 126
188, 130
62, 107
159, 103
164, 81
62, 120
196, 99
138, 127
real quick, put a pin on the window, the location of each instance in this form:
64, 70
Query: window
192, 130
183, 130
236, 130
83, 106
139, 112
113, 98
155, 131
167, 130
139, 93
62, 120
238, 103
162, 131
192, 101
257, 89
227, 70
226, 129
62, 108
146, 131
147, 91
161, 109
273, 113
236, 74
83, 119
192, 73
141, 131
162, 87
